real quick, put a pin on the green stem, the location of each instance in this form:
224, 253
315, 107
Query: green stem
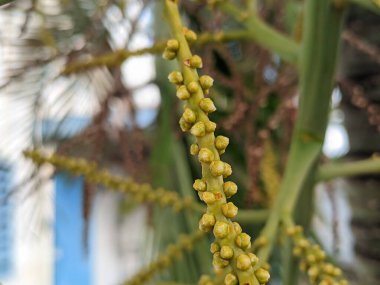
117, 57
251, 216
345, 169
317, 67
263, 34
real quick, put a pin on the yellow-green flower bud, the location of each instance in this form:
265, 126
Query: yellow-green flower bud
195, 61
254, 258
243, 241
194, 149
190, 35
206, 82
205, 155
237, 227
208, 197
221, 142
303, 243
210, 127
199, 185
229, 188
313, 272
207, 222
226, 252
220, 229
328, 268
311, 258
185, 126
182, 93
217, 168
262, 275
193, 87
214, 247
198, 129
229, 210
169, 55
175, 77
230, 279
207, 105
218, 261
337, 272
189, 116
297, 251
227, 170
172, 45
243, 262
205, 280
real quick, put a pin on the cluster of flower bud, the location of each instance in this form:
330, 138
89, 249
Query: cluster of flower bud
139, 192
313, 260
172, 252
171, 49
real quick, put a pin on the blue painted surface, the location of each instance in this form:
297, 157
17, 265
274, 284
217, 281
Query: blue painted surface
73, 264
6, 232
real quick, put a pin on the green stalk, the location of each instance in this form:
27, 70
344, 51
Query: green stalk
263, 34
346, 169
317, 68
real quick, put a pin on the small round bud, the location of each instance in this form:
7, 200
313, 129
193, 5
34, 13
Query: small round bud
297, 251
221, 142
311, 258
207, 105
194, 149
189, 116
172, 45
214, 247
205, 155
218, 261
303, 243
226, 252
237, 227
337, 272
169, 55
210, 127
227, 170
243, 262
199, 185
313, 272
208, 197
229, 188
205, 280
254, 258
185, 126
207, 222
198, 129
193, 87
220, 229
229, 210
217, 168
262, 275
230, 279
182, 93
206, 82
175, 77
190, 35
243, 241
195, 62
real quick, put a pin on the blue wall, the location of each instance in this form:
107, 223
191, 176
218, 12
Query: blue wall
73, 264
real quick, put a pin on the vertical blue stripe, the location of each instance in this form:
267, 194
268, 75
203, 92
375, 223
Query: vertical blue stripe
73, 262
6, 221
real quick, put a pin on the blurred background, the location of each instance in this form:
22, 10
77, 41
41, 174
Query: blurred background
121, 113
